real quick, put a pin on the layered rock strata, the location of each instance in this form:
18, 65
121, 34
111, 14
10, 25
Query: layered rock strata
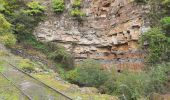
109, 32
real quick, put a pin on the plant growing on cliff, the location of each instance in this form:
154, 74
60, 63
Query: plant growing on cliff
76, 4
165, 22
76, 9
77, 13
6, 36
58, 5
34, 8
140, 1
157, 45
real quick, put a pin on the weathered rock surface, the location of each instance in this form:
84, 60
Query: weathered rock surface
109, 32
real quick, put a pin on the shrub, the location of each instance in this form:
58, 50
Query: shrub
131, 86
77, 13
158, 78
8, 39
60, 54
26, 65
76, 3
140, 1
2, 5
165, 22
5, 25
88, 73
157, 45
34, 8
58, 5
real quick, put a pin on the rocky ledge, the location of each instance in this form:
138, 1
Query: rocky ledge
109, 32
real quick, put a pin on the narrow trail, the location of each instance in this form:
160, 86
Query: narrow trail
32, 88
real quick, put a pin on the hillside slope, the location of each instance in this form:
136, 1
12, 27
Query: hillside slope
50, 78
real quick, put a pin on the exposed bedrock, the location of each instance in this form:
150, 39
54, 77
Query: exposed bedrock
109, 32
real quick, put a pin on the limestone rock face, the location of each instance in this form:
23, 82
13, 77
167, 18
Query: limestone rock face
109, 32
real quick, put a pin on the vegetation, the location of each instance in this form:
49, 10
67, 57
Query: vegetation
61, 55
6, 36
58, 5
77, 13
135, 85
89, 73
76, 9
26, 65
34, 8
165, 24
158, 45
77, 3
140, 1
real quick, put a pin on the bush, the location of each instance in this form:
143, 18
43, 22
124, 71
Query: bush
158, 78
88, 73
76, 3
134, 85
77, 13
2, 5
8, 39
5, 25
157, 45
58, 5
131, 86
26, 65
165, 22
34, 8
60, 54
140, 1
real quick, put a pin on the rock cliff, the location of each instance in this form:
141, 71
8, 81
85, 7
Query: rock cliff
109, 32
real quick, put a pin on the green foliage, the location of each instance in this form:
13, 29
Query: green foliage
58, 5
88, 73
77, 13
8, 39
134, 85
60, 54
158, 45
76, 3
5, 25
35, 8
76, 9
131, 86
2, 5
165, 22
26, 65
158, 78
140, 1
